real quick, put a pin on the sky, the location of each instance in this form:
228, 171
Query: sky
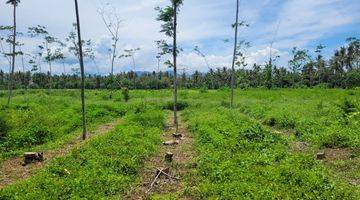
203, 23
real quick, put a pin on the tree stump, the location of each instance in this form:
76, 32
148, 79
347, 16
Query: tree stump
169, 157
33, 157
320, 156
171, 142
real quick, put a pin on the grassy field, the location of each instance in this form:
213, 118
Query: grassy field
262, 149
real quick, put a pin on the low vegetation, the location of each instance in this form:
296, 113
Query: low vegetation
43, 117
244, 152
239, 158
102, 168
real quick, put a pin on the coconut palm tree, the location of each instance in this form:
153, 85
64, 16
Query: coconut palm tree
81, 59
14, 3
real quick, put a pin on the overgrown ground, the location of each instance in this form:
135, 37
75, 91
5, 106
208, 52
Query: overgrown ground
262, 149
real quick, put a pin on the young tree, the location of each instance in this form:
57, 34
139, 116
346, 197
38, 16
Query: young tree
14, 3
158, 58
201, 54
73, 46
298, 62
236, 25
112, 23
7, 40
168, 16
51, 45
130, 53
269, 68
81, 60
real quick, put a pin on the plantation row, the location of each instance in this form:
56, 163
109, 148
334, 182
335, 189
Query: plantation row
247, 152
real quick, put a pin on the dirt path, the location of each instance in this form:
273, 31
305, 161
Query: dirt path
183, 164
12, 170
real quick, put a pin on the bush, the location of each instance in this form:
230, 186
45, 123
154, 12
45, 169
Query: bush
203, 90
271, 121
3, 127
125, 93
181, 105
336, 140
347, 106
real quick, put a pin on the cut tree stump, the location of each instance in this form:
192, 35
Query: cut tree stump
320, 156
33, 157
169, 157
177, 135
171, 142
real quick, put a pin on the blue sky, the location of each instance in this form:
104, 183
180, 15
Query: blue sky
206, 23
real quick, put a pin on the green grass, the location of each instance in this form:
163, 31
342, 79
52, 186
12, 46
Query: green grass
326, 118
43, 119
239, 156
101, 169
240, 159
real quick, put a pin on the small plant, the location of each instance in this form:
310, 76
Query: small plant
347, 106
271, 121
336, 140
3, 127
125, 93
203, 90
181, 105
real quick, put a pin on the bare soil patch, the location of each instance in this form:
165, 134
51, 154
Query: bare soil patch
12, 170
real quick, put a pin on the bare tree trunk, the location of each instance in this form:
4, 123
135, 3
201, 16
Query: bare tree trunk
49, 63
175, 69
134, 66
10, 85
112, 68
234, 56
158, 71
82, 71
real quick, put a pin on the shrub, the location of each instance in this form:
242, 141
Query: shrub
271, 121
255, 133
181, 105
336, 140
347, 106
3, 126
203, 89
125, 93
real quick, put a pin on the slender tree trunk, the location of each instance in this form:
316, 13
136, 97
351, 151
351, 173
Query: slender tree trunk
50, 78
112, 68
25, 81
10, 85
158, 71
49, 63
134, 66
175, 69
82, 71
234, 56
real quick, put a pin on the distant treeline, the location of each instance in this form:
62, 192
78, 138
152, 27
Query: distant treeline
342, 70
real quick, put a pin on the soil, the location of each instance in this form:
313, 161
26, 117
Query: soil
184, 162
12, 170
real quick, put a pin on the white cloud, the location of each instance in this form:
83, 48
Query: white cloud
203, 23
